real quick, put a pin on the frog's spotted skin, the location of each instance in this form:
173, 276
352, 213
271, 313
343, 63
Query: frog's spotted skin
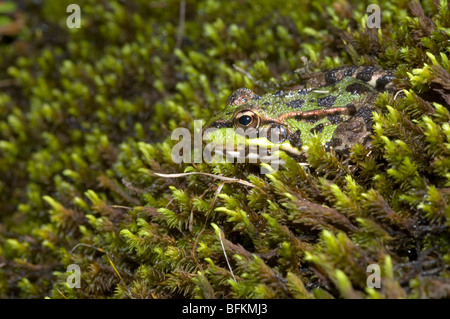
380, 79
338, 110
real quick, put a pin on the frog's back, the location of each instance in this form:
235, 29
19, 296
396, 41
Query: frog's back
380, 79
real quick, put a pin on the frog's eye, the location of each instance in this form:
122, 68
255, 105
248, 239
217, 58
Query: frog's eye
246, 119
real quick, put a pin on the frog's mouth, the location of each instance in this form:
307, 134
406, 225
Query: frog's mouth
248, 154
225, 145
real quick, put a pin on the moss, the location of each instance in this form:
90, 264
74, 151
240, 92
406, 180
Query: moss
85, 122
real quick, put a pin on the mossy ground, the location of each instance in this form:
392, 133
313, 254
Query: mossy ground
85, 122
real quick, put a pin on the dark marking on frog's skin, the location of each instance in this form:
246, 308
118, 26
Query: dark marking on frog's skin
295, 139
267, 103
366, 114
330, 77
310, 119
357, 88
337, 142
317, 129
296, 103
350, 70
327, 101
304, 91
351, 109
278, 93
383, 81
365, 74
335, 119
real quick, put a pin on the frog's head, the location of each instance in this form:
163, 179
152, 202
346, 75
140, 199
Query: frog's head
339, 115
249, 127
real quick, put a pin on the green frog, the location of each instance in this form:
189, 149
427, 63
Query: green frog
336, 106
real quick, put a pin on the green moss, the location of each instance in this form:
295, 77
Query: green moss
85, 122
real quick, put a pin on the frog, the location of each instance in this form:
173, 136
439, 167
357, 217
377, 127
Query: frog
335, 108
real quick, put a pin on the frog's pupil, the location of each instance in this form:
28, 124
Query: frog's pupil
245, 120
